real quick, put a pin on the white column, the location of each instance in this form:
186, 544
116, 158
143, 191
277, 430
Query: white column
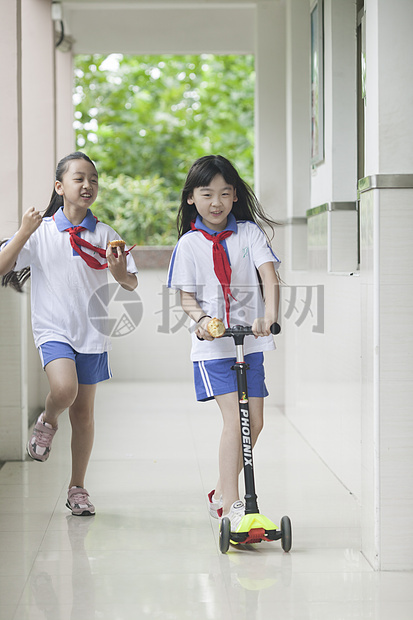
298, 107
38, 160
11, 416
389, 101
270, 108
335, 180
387, 300
38, 111
26, 175
298, 129
65, 135
270, 144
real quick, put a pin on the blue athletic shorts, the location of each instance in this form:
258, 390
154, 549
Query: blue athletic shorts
215, 377
91, 367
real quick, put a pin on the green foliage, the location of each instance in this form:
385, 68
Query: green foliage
137, 209
149, 117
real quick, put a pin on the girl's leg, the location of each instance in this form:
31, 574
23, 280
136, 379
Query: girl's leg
229, 450
230, 453
81, 414
62, 377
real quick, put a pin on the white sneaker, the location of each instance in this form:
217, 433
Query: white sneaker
236, 512
215, 505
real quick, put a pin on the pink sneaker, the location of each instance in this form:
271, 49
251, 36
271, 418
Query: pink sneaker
78, 502
38, 447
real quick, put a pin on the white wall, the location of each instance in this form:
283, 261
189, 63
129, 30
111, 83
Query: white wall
387, 227
389, 127
323, 382
158, 348
335, 179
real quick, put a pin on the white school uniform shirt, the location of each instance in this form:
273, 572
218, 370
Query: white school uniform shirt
192, 270
62, 284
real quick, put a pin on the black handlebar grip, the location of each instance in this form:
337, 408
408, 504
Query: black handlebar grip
275, 329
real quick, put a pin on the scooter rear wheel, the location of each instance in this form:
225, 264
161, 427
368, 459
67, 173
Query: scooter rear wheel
286, 534
224, 534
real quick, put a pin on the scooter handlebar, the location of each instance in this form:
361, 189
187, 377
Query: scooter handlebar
241, 330
275, 328
246, 330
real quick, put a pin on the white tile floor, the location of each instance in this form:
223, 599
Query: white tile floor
152, 549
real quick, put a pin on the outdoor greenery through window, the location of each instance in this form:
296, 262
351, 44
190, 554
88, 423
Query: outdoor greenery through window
145, 119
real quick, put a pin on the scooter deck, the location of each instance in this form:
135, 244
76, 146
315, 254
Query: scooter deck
255, 528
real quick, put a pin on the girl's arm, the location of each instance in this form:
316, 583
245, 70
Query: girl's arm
8, 256
117, 267
194, 311
261, 325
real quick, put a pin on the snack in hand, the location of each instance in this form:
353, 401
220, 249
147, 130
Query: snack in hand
117, 243
216, 328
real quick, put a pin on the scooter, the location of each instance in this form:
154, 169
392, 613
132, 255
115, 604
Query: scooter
254, 527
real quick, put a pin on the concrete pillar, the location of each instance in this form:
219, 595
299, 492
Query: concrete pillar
386, 212
270, 108
297, 129
26, 175
12, 416
270, 145
65, 135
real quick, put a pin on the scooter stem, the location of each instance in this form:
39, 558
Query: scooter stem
241, 368
238, 332
239, 351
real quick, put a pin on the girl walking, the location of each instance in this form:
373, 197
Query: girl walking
220, 264
66, 252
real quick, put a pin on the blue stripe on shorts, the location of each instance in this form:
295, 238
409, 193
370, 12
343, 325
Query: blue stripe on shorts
91, 368
215, 377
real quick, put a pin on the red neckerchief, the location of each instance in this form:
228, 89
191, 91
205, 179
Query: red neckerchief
222, 267
76, 242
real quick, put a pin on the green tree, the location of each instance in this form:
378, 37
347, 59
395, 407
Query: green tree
138, 209
149, 117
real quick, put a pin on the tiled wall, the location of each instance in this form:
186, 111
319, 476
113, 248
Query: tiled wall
387, 307
323, 365
11, 416
23, 385
349, 387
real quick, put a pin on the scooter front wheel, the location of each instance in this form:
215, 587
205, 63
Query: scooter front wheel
224, 534
286, 534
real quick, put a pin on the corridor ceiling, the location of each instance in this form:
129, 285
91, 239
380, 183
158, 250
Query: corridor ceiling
160, 27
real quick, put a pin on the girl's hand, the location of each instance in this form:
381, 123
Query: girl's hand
117, 267
31, 220
201, 330
261, 327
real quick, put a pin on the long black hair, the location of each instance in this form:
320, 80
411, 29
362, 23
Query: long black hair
201, 173
16, 279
